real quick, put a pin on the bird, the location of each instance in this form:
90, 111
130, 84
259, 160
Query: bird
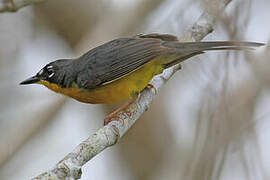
120, 69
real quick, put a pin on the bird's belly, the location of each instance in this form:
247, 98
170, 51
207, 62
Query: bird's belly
119, 90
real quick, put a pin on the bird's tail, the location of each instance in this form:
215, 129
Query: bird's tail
189, 49
212, 45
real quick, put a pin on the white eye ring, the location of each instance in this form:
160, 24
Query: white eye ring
49, 67
51, 75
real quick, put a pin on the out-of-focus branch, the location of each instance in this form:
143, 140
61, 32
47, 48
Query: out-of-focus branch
70, 166
204, 24
15, 5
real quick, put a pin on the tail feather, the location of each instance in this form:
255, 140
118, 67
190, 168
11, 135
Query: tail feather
185, 47
229, 48
189, 49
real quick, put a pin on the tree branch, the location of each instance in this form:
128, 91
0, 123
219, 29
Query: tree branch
70, 166
15, 5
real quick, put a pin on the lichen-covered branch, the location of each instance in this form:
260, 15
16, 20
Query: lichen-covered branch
14, 5
70, 166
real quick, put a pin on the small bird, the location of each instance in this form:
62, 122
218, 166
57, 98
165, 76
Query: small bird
120, 69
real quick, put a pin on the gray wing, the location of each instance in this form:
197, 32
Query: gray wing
116, 59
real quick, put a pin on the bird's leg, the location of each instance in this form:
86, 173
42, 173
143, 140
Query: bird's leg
114, 115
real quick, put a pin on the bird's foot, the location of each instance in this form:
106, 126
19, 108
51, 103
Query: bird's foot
151, 86
114, 115
111, 117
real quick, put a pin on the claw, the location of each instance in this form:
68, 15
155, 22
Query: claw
151, 86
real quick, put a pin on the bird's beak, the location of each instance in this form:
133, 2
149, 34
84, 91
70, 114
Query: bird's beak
30, 80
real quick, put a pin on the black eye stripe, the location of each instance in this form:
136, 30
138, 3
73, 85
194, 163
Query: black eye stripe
50, 70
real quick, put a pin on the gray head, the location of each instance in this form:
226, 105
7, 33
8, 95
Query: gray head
57, 72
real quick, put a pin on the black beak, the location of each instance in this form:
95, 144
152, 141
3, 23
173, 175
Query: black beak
30, 80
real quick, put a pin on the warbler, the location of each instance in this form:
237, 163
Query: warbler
120, 69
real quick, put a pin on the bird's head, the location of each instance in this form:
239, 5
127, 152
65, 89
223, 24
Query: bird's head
53, 73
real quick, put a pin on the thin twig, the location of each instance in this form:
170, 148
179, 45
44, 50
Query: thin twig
15, 5
70, 166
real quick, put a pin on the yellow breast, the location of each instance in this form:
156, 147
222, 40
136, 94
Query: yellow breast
116, 91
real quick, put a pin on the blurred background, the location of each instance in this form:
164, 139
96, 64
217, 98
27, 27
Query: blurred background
210, 121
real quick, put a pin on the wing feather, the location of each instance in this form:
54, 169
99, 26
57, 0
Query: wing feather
116, 59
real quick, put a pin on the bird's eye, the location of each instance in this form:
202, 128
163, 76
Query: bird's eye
50, 71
